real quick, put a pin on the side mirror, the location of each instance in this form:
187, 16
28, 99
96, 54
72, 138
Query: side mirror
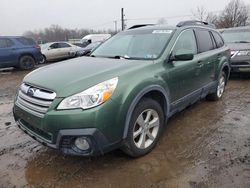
183, 57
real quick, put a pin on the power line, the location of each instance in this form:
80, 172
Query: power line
150, 18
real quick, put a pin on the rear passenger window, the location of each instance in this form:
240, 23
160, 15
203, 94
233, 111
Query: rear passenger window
26, 41
6, 43
218, 39
204, 40
186, 43
64, 45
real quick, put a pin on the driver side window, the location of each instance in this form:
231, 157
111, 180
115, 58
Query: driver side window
186, 43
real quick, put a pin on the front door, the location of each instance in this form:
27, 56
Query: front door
184, 76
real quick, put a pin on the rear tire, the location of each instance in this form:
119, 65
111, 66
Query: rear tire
220, 88
26, 62
145, 128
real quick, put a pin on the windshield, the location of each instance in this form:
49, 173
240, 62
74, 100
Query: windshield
93, 45
140, 44
236, 36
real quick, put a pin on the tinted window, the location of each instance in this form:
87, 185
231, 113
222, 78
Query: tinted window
6, 43
218, 39
186, 43
53, 46
64, 45
204, 40
26, 41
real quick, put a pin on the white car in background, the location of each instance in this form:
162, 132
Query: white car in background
58, 50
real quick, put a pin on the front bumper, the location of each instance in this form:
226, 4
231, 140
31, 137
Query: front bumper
59, 129
240, 64
65, 140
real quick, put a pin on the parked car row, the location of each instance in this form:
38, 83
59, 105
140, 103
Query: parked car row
25, 53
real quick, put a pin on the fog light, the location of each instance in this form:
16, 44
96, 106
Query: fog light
82, 143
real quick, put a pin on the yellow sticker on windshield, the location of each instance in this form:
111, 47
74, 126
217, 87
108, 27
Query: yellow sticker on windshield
163, 31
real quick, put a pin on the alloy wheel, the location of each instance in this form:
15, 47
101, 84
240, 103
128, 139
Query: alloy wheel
146, 128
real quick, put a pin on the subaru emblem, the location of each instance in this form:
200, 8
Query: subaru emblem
31, 92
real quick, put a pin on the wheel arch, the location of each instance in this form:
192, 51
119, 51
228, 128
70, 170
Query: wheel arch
26, 54
226, 68
154, 91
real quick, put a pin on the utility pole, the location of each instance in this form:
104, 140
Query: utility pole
122, 19
115, 25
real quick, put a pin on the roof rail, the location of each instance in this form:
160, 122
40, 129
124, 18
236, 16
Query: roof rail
195, 22
140, 25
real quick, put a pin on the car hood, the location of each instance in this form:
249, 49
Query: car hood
72, 76
239, 46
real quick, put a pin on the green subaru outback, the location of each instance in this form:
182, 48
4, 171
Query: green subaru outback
122, 95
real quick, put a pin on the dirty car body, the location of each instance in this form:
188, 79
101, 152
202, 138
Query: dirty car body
92, 105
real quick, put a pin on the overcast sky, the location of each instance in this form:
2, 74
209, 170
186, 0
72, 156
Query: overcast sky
17, 16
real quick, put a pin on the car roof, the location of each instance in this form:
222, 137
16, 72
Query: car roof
168, 27
13, 37
236, 28
57, 42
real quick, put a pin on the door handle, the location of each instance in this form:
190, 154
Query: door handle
200, 64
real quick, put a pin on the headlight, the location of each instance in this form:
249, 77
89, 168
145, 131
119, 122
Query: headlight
91, 97
243, 53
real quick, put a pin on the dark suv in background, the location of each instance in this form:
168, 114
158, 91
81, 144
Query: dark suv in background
19, 52
238, 40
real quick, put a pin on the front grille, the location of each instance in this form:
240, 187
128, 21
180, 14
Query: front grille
34, 100
66, 142
240, 63
44, 135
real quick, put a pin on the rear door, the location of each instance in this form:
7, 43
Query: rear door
207, 56
65, 49
7, 53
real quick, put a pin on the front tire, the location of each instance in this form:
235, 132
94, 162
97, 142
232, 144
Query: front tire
217, 95
145, 126
26, 62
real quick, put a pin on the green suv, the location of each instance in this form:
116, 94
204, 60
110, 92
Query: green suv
122, 95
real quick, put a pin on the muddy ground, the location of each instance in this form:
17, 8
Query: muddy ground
206, 145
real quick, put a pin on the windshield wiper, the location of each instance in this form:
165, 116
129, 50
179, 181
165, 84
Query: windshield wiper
120, 57
242, 41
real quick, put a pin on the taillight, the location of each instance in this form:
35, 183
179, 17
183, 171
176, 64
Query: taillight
37, 46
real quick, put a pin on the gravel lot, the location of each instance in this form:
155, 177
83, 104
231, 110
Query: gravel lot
206, 145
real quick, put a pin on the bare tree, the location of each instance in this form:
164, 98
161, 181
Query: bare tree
162, 21
234, 15
57, 33
202, 14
